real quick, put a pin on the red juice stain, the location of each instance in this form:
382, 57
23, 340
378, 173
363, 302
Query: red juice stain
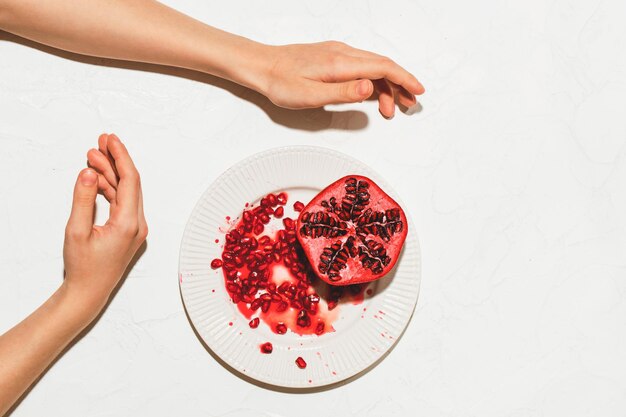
212, 290
227, 218
230, 323
217, 241
334, 373
369, 291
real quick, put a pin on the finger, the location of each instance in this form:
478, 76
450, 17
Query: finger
98, 161
375, 68
355, 91
103, 141
129, 183
106, 190
386, 103
402, 96
85, 191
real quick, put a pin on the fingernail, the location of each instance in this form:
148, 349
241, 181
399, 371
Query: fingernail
363, 87
114, 137
88, 178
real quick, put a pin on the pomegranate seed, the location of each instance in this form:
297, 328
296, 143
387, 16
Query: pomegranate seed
264, 218
258, 229
216, 263
276, 297
256, 304
319, 329
288, 222
267, 348
282, 306
264, 240
279, 212
235, 298
265, 202
281, 199
298, 206
332, 304
281, 328
303, 319
247, 217
254, 323
265, 306
271, 198
283, 287
300, 362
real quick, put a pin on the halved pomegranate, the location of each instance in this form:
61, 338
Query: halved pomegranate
352, 231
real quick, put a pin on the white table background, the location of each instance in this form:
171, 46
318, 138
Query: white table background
514, 174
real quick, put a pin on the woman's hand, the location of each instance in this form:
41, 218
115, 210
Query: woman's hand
95, 259
313, 75
97, 256
292, 76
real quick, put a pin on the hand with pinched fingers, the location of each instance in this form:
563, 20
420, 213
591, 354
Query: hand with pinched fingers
96, 256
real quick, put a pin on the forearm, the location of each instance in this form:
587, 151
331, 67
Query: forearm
137, 30
28, 349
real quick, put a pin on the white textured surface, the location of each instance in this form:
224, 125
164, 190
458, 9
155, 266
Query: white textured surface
514, 174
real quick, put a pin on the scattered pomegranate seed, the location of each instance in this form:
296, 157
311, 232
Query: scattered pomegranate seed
281, 328
289, 224
267, 348
298, 206
300, 362
248, 260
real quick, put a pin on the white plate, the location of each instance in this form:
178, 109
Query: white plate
364, 332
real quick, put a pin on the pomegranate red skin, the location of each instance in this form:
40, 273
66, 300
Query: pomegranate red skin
378, 202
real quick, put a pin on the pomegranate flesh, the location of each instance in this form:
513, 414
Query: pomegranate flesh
352, 231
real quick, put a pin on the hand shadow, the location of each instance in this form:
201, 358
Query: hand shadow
312, 120
86, 330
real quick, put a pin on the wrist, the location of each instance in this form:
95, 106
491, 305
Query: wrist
238, 59
80, 307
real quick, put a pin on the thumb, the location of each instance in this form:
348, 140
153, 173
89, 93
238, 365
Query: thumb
85, 191
346, 92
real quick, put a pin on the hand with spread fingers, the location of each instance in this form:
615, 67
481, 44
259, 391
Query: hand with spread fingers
95, 260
